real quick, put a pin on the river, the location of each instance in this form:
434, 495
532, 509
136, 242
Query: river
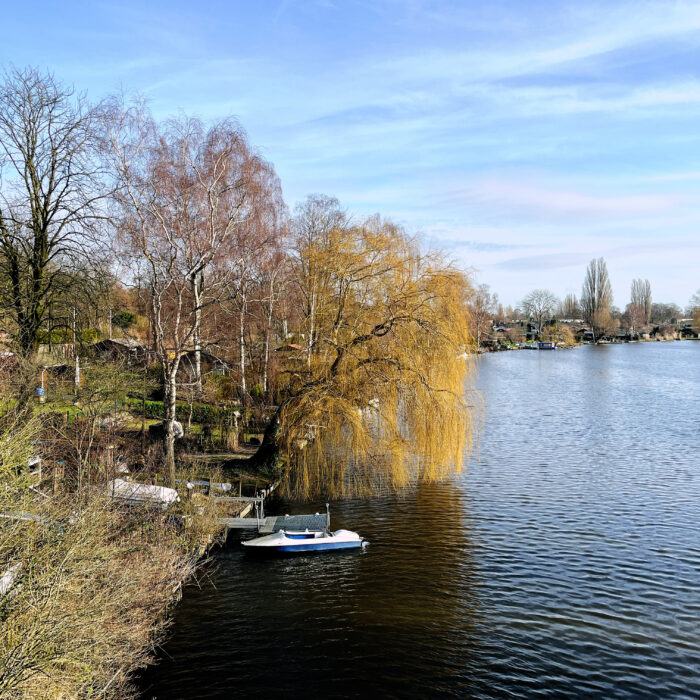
563, 562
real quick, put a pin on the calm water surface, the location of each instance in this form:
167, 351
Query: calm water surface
564, 562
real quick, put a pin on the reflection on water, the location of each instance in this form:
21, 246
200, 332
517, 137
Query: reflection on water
565, 561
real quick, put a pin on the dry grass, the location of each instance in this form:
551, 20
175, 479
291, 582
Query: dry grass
93, 597
92, 600
95, 579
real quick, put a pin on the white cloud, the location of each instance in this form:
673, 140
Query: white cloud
517, 199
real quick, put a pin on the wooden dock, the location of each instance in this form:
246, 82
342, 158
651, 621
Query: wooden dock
256, 519
274, 523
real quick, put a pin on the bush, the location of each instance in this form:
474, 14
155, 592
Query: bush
89, 335
256, 392
201, 412
61, 336
90, 600
221, 387
123, 319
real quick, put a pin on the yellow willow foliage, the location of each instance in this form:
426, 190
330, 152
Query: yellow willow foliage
380, 402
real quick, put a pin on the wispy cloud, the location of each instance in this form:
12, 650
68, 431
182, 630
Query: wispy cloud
544, 262
479, 246
516, 199
563, 129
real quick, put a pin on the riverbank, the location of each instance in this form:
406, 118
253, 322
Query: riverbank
501, 347
95, 586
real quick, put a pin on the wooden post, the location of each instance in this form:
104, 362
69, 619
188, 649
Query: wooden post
234, 433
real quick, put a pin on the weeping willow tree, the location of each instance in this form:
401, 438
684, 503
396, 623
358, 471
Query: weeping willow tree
377, 400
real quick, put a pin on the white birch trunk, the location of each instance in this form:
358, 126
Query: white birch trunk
268, 330
241, 342
170, 406
197, 332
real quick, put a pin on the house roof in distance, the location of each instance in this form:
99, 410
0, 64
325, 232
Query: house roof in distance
123, 342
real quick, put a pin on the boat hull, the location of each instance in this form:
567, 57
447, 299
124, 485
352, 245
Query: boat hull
307, 541
320, 547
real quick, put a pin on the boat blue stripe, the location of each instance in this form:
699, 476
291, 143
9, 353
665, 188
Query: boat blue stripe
316, 547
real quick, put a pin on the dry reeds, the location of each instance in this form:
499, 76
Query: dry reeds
91, 602
92, 580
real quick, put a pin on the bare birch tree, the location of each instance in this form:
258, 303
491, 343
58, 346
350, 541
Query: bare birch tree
539, 305
482, 306
274, 280
316, 219
184, 194
244, 258
633, 318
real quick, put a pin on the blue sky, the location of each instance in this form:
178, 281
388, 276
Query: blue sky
523, 137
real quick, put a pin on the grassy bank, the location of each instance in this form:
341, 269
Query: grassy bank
94, 584
86, 583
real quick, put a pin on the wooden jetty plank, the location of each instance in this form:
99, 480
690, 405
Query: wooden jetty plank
277, 522
240, 499
243, 523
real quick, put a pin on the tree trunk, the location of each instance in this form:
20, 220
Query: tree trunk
312, 328
232, 436
268, 328
268, 459
241, 342
170, 406
197, 334
266, 360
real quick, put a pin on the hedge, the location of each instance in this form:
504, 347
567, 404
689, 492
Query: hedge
201, 412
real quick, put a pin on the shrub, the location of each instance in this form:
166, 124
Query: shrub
201, 412
123, 319
221, 387
256, 392
89, 335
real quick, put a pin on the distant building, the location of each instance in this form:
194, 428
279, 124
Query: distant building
209, 364
117, 349
289, 347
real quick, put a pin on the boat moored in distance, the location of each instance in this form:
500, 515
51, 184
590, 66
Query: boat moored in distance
306, 541
546, 345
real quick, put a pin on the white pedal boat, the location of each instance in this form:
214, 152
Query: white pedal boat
306, 541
